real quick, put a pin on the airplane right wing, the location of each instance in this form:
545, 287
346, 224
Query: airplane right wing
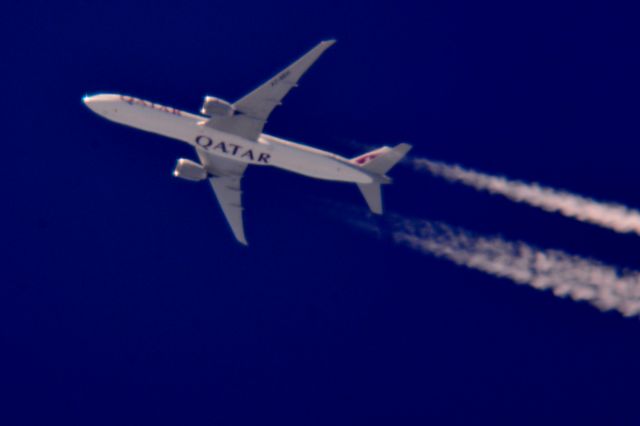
226, 179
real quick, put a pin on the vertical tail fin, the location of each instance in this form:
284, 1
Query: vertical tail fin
379, 162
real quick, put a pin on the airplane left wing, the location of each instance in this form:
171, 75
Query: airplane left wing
250, 113
226, 180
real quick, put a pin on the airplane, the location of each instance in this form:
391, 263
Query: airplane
228, 138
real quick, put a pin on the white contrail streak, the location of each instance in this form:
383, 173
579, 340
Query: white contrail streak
566, 275
616, 217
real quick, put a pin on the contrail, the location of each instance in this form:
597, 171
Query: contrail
566, 275
616, 217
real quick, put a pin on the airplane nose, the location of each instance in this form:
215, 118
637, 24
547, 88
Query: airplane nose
92, 103
100, 104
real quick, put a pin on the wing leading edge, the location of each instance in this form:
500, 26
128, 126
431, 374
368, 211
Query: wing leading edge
253, 110
226, 183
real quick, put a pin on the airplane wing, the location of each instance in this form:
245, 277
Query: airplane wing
227, 175
252, 111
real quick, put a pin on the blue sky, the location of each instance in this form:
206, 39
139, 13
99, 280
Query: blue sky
124, 298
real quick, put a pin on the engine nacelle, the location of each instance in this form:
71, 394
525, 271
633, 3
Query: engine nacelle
190, 170
215, 106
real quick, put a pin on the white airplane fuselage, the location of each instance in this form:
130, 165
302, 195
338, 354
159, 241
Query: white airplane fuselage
266, 151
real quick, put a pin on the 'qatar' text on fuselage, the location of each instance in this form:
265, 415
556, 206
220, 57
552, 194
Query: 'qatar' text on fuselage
231, 149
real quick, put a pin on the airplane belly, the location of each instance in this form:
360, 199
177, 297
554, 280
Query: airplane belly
152, 121
318, 166
189, 130
267, 151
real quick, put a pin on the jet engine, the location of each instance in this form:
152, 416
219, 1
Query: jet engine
189, 170
215, 106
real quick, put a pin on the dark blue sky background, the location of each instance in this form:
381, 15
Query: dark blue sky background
125, 300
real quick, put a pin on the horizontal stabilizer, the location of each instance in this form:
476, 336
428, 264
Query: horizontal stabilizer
373, 195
